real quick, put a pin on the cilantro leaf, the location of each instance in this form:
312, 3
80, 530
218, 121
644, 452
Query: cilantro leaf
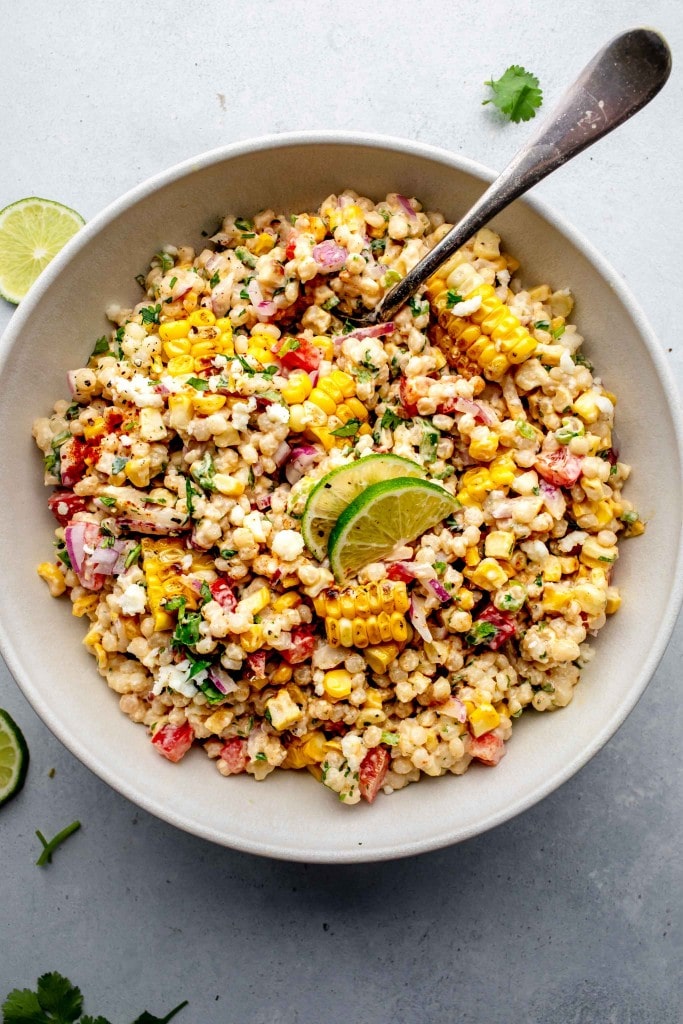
452, 298
349, 429
150, 314
198, 383
22, 1007
59, 997
516, 94
390, 420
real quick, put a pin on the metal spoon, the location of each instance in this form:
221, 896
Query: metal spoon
621, 79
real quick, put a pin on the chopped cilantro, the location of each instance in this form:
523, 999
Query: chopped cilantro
481, 633
106, 499
392, 277
189, 494
330, 303
245, 256
516, 94
349, 429
440, 567
73, 411
390, 420
101, 346
557, 332
203, 472
150, 314
260, 756
173, 282
242, 224
198, 383
165, 261
289, 345
214, 280
249, 370
117, 466
524, 429
244, 294
378, 245
228, 552
418, 306
542, 325
133, 556
452, 298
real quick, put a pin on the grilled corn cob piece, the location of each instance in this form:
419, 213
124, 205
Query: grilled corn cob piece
359, 616
489, 338
311, 409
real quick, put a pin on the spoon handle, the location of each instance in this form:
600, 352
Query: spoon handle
621, 79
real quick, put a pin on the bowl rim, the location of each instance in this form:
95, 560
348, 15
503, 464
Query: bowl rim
485, 175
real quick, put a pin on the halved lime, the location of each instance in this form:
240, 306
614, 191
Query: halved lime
32, 232
337, 489
13, 757
384, 516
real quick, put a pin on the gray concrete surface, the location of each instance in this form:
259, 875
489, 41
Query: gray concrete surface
569, 914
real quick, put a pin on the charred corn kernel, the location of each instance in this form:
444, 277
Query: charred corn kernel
439, 358
337, 684
464, 599
224, 324
317, 227
556, 597
204, 349
174, 329
206, 405
601, 510
472, 556
367, 615
324, 401
54, 577
586, 407
354, 407
252, 638
499, 544
541, 293
326, 346
85, 605
180, 411
282, 711
285, 601
92, 637
152, 426
161, 564
179, 365
488, 575
380, 656
591, 599
224, 344
569, 564
475, 485
297, 388
256, 602
95, 429
370, 716
138, 470
552, 569
282, 674
483, 718
101, 656
219, 721
486, 244
202, 317
596, 556
263, 243
190, 302
375, 698
613, 601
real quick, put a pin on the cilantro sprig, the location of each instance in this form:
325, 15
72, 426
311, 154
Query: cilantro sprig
57, 1001
516, 94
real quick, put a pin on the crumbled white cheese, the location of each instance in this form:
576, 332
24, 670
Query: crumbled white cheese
277, 413
467, 307
134, 600
175, 677
240, 414
287, 544
136, 390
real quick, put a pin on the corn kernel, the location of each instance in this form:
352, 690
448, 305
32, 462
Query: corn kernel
202, 317
152, 426
206, 405
95, 429
256, 602
488, 575
252, 638
177, 347
465, 599
138, 470
337, 684
591, 599
285, 601
472, 556
54, 577
568, 564
323, 401
262, 244
380, 656
174, 329
282, 674
297, 388
483, 718
613, 601
556, 597
180, 411
596, 556
179, 365
326, 346
228, 485
297, 419
219, 721
552, 569
282, 711
586, 407
499, 544
85, 605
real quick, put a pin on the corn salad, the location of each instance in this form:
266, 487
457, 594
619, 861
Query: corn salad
182, 463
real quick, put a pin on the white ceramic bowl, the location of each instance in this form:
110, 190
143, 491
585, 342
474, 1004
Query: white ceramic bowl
290, 816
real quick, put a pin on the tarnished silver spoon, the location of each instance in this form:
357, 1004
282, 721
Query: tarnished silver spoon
621, 79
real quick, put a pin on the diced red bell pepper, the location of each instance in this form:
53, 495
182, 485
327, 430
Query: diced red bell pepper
235, 755
291, 246
222, 592
297, 353
64, 505
174, 741
504, 622
373, 772
257, 664
302, 645
409, 396
488, 748
559, 467
398, 573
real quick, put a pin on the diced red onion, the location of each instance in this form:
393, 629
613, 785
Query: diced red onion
301, 459
503, 509
376, 331
476, 409
71, 381
264, 309
282, 454
419, 618
437, 589
262, 501
329, 256
553, 499
407, 205
454, 708
221, 680
74, 537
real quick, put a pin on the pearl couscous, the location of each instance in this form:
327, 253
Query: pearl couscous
195, 433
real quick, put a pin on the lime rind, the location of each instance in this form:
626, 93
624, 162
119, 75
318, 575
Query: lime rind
32, 232
385, 515
337, 489
14, 758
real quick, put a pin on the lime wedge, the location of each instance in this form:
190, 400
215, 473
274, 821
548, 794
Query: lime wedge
337, 489
32, 231
13, 758
382, 517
